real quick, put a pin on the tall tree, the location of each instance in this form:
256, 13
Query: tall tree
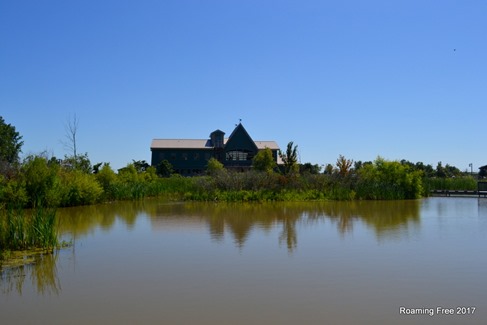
344, 165
10, 145
290, 158
71, 131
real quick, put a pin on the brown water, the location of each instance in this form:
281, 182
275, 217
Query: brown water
284, 263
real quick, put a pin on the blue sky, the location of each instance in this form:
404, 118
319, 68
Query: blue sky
399, 79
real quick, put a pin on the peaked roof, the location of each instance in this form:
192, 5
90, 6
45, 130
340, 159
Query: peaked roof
217, 131
240, 129
206, 143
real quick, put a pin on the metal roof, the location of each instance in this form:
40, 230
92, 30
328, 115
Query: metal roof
181, 144
267, 144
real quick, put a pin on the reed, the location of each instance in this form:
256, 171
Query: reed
453, 183
21, 232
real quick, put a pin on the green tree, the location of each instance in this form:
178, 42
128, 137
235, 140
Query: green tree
107, 179
140, 165
389, 180
264, 161
344, 165
290, 159
79, 162
328, 169
440, 171
214, 166
10, 146
164, 169
309, 168
41, 181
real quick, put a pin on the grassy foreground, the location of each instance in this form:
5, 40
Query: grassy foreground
34, 232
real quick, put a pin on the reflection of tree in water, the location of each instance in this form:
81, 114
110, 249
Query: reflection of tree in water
79, 221
41, 270
289, 235
385, 217
239, 219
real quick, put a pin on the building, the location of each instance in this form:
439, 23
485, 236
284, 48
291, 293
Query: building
483, 171
190, 156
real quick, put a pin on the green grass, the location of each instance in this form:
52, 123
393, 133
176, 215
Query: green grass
21, 232
456, 183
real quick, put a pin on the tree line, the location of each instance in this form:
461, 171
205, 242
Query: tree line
43, 180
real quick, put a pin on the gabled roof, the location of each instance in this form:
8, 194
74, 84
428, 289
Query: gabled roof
206, 143
239, 137
217, 131
239, 128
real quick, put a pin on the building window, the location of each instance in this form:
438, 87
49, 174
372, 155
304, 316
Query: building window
173, 156
237, 155
207, 156
185, 156
196, 156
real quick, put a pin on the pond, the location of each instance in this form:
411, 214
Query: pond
399, 262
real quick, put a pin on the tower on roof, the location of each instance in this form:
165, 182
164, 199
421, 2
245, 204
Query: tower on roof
216, 138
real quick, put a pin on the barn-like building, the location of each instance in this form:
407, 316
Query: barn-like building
190, 156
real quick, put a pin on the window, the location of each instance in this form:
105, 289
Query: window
237, 155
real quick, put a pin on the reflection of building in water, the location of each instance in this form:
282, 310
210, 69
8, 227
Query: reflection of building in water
387, 218
482, 204
238, 220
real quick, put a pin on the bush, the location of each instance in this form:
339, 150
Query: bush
41, 181
13, 193
388, 180
78, 188
107, 179
214, 166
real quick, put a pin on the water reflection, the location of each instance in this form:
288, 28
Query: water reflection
80, 221
388, 219
41, 269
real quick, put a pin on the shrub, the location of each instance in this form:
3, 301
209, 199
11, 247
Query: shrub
41, 181
13, 193
79, 188
214, 166
388, 180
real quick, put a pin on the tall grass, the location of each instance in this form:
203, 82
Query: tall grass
21, 232
455, 183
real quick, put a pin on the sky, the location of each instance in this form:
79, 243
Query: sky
396, 79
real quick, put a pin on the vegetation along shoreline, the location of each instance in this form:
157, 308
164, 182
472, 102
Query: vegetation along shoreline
44, 183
